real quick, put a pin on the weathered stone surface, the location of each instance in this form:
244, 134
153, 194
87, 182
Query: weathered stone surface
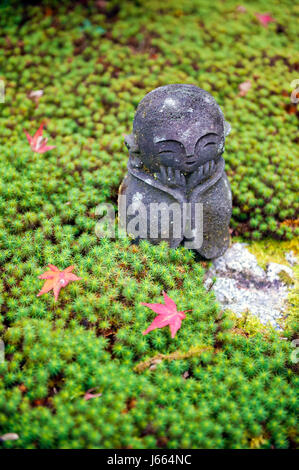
274, 270
242, 285
176, 158
291, 258
239, 260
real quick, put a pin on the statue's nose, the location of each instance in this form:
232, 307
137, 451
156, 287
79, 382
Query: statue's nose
189, 148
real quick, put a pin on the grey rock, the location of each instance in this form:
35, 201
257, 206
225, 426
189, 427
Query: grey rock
239, 260
175, 157
274, 269
243, 286
291, 258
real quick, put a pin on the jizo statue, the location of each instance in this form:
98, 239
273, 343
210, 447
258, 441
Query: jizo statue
176, 188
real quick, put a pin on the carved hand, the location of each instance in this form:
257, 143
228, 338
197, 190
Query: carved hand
172, 177
198, 175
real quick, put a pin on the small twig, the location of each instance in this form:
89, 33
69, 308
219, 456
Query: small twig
153, 361
211, 286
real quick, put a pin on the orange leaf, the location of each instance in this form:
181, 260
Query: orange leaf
56, 279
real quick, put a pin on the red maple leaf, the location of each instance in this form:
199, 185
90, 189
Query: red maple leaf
89, 395
167, 315
37, 142
56, 279
264, 19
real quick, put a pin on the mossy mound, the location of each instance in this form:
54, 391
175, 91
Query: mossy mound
95, 64
215, 384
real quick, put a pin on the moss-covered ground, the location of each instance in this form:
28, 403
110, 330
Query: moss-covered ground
221, 382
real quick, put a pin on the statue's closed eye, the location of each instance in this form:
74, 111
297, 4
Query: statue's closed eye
210, 137
209, 143
165, 151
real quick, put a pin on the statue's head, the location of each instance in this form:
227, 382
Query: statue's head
178, 126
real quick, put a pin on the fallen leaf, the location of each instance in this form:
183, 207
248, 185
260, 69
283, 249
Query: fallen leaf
101, 4
131, 403
257, 442
244, 88
37, 142
88, 395
290, 223
167, 315
264, 19
36, 94
56, 279
241, 9
48, 12
291, 109
39, 402
10, 436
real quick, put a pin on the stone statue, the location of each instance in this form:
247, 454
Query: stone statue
175, 161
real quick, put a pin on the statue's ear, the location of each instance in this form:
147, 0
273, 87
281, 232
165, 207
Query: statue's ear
227, 128
133, 151
131, 143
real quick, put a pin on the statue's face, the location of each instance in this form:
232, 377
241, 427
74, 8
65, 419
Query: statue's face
184, 145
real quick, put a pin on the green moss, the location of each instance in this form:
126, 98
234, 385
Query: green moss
273, 251
216, 384
286, 278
